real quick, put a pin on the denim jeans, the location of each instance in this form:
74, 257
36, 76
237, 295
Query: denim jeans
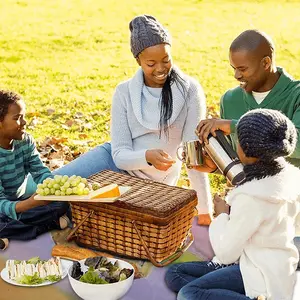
91, 162
206, 280
33, 222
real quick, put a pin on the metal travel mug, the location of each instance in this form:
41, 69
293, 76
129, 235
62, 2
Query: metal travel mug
193, 153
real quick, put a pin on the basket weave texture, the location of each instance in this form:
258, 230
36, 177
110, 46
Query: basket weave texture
161, 214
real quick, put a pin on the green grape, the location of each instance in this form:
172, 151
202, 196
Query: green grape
46, 191
56, 186
84, 181
74, 183
40, 191
50, 185
52, 191
86, 191
72, 177
47, 180
69, 191
40, 186
65, 178
62, 193
63, 188
95, 186
44, 185
80, 191
75, 190
57, 193
81, 185
57, 178
67, 184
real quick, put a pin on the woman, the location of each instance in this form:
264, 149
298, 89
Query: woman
152, 114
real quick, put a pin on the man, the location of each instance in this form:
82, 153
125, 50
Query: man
262, 85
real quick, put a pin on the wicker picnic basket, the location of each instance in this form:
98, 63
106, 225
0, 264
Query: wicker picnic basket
150, 221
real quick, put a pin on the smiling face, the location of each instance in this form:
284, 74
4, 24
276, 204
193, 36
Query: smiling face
156, 63
12, 127
250, 70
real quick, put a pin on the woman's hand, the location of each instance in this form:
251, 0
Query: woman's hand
205, 127
220, 206
160, 159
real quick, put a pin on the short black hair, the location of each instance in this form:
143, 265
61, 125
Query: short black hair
7, 98
253, 40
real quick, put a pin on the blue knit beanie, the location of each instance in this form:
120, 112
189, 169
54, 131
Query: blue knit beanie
266, 134
146, 32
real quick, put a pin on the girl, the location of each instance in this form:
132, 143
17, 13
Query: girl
21, 217
152, 114
255, 253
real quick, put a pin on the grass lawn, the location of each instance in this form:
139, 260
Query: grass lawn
67, 56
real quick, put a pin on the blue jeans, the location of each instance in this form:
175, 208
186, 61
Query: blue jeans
206, 280
33, 222
94, 161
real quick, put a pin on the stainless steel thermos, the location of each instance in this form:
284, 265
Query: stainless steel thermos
226, 159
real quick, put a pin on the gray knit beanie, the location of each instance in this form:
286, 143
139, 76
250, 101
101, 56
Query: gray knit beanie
266, 134
146, 31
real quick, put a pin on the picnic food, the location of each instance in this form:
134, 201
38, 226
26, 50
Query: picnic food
73, 253
34, 270
108, 191
100, 271
76, 185
63, 185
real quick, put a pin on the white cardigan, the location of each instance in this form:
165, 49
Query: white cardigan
135, 129
259, 233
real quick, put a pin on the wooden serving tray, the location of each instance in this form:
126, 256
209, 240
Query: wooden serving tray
83, 198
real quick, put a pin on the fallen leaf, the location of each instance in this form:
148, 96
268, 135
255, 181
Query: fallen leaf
78, 115
69, 123
50, 111
83, 136
32, 124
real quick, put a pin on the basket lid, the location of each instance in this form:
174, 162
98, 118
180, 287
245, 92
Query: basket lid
146, 196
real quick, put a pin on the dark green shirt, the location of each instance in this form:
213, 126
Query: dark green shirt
284, 96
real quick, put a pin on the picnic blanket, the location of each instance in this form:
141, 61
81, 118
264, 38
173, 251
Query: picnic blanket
151, 287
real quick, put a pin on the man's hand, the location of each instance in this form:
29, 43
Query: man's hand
205, 127
160, 159
220, 206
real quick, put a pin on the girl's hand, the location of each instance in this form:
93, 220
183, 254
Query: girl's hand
160, 159
220, 206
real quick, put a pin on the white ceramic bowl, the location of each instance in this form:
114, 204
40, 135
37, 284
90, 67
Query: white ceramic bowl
110, 291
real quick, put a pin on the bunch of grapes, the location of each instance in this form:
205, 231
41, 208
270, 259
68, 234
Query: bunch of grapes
63, 186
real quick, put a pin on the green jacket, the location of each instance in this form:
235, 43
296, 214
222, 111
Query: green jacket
285, 97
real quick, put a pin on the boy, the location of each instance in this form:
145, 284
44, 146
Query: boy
21, 217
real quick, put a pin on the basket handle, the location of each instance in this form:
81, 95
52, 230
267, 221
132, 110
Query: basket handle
73, 231
169, 259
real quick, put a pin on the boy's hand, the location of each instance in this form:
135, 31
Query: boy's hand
30, 203
159, 159
220, 206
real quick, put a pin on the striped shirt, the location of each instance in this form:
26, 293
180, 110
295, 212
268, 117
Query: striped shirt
15, 165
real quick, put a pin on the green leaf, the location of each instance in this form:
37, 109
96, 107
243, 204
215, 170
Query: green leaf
30, 279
